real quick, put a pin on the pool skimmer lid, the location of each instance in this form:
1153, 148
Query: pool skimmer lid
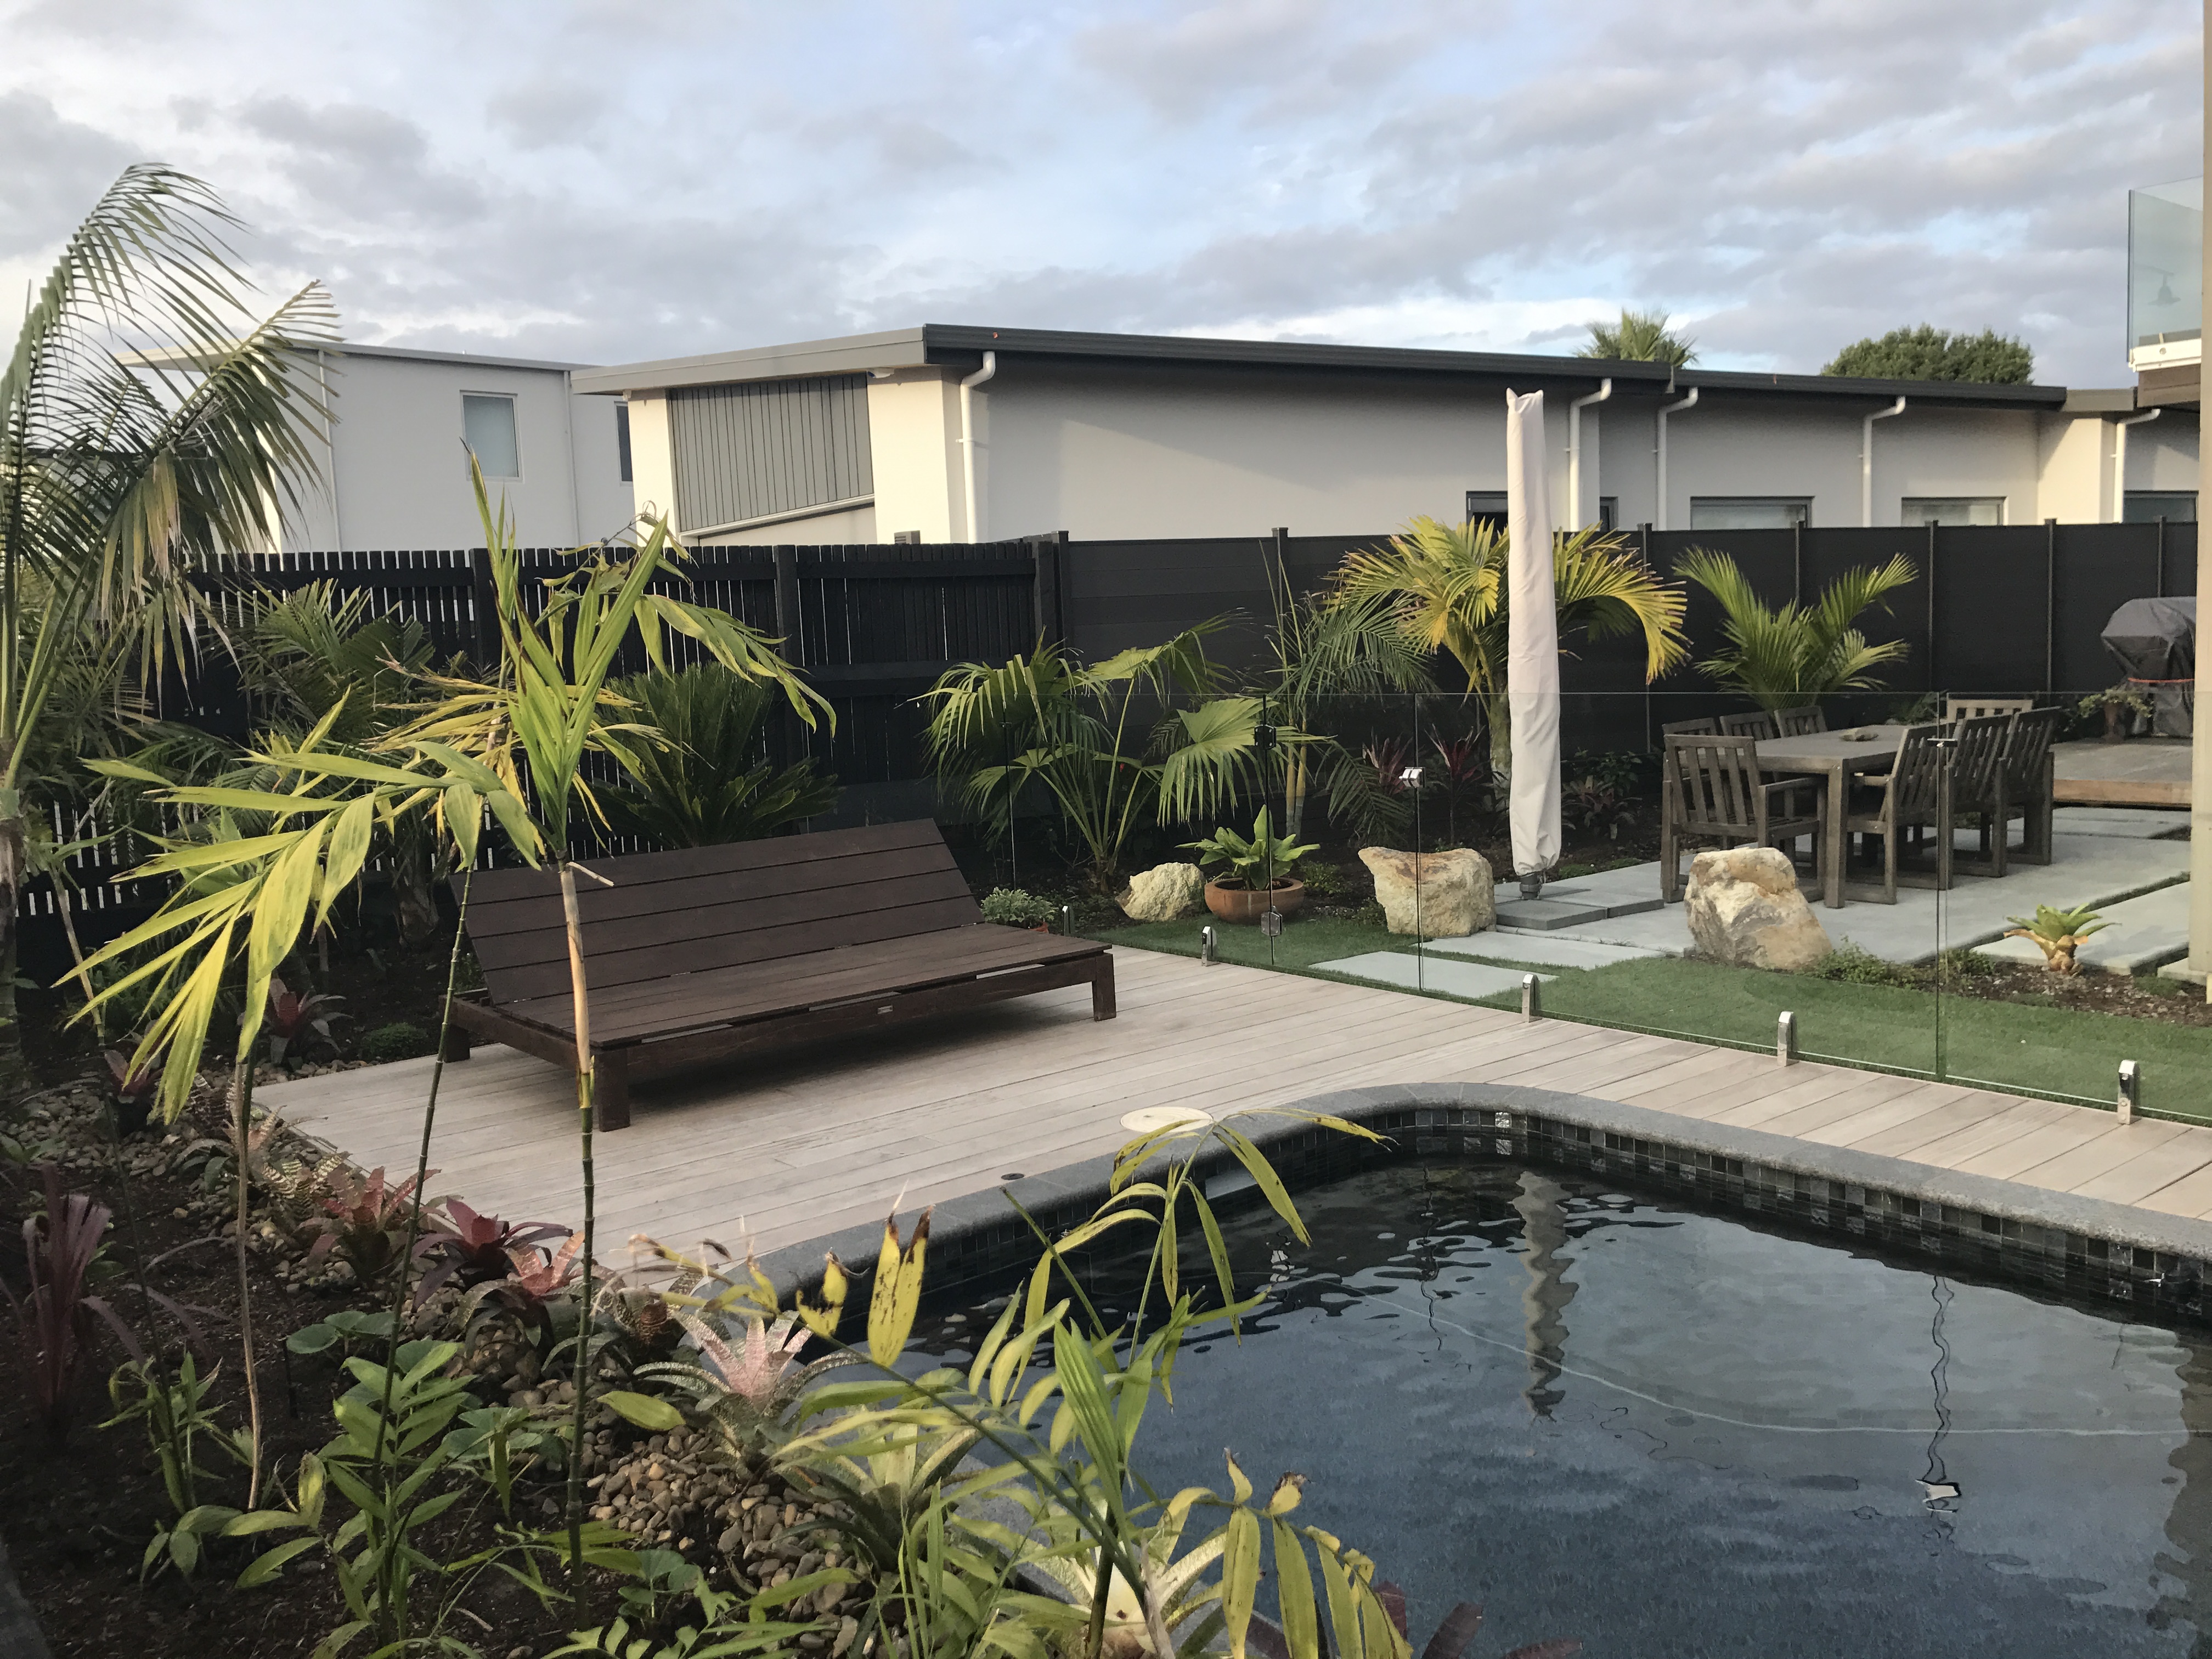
1149, 1120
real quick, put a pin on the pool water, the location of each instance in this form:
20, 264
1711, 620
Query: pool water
1675, 1435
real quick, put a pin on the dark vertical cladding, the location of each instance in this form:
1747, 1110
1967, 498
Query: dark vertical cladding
753, 449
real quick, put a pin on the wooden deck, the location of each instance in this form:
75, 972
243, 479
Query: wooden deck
789, 1148
2142, 772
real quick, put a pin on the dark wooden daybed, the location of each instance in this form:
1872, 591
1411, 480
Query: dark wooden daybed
713, 951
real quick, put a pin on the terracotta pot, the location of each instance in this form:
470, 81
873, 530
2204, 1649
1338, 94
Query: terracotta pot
1248, 904
2114, 732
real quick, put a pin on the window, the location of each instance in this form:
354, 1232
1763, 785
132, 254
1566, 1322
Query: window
1750, 512
488, 424
1951, 509
622, 439
2146, 506
1608, 513
1485, 503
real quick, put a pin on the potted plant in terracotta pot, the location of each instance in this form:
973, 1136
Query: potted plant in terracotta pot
2122, 705
1244, 891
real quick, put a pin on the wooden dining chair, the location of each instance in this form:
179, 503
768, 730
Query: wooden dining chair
1911, 796
1713, 791
1707, 727
2029, 787
1975, 708
1801, 722
1757, 725
1977, 787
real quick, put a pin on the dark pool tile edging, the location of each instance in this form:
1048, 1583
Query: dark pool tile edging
2083, 1245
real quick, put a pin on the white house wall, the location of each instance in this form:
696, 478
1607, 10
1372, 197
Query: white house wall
2075, 479
398, 474
2162, 453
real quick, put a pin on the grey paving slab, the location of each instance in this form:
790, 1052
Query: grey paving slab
2144, 933
1402, 970
1544, 950
2128, 823
1548, 914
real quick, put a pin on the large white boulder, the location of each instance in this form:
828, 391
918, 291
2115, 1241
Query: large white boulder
1441, 895
1744, 908
1162, 893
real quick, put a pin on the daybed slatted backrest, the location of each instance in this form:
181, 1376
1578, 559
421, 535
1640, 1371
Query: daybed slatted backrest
716, 906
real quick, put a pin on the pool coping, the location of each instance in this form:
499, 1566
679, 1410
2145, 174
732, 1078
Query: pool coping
2085, 1246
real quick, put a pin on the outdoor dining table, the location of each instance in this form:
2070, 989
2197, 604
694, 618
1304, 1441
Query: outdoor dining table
1837, 757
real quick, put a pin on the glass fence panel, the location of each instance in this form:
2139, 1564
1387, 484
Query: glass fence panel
2059, 977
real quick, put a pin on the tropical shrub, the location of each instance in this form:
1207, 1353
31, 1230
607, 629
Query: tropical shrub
1784, 657
1010, 907
365, 1220
698, 776
473, 1249
401, 1040
291, 1016
2058, 933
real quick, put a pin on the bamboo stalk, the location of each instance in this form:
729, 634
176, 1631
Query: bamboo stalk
241, 1092
579, 994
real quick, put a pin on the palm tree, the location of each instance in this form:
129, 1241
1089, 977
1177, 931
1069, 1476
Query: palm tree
1781, 659
151, 429
1446, 585
1640, 336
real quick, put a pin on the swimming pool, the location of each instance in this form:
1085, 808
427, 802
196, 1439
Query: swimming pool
1673, 1434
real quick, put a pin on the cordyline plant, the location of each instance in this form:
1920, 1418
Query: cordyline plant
512, 746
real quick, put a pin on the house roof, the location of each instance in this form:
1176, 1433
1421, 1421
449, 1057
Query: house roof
962, 346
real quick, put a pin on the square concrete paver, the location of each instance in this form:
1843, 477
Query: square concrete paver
1543, 950
1406, 972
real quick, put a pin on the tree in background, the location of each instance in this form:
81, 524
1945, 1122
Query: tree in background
152, 428
1640, 336
1929, 353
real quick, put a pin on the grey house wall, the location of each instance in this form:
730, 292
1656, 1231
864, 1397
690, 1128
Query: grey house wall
396, 474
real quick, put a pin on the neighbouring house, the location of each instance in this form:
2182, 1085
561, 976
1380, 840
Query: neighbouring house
396, 475
949, 433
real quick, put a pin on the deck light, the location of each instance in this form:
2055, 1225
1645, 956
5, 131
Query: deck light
1067, 919
1785, 1040
2131, 1090
1530, 1009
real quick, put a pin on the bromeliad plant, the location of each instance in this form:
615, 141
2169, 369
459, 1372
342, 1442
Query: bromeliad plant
291, 1016
366, 1221
471, 1248
1265, 860
2058, 933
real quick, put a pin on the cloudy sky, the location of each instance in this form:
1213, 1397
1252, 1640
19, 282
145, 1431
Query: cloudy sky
600, 179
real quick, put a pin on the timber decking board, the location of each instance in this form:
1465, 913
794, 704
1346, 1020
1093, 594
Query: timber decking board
831, 1133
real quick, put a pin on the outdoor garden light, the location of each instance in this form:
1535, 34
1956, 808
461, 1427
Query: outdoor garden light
1067, 919
2131, 1090
1410, 774
1785, 1040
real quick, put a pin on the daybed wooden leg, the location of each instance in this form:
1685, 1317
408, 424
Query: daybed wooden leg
457, 1044
610, 1092
1101, 990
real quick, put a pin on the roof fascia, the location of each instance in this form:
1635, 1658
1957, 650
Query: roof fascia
851, 354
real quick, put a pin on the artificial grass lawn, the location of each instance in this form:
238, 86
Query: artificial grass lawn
2008, 1045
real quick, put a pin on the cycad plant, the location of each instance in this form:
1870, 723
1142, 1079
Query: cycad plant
1445, 586
1784, 657
152, 428
706, 781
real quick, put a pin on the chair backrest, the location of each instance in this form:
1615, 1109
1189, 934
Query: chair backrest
1757, 724
2033, 730
701, 908
1801, 722
1974, 708
1716, 783
1916, 781
1707, 727
1977, 754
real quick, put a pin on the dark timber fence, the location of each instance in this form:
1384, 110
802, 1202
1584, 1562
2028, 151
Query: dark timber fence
1999, 611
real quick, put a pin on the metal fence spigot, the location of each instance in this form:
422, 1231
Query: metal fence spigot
2131, 1090
1531, 1000
1206, 945
1785, 1040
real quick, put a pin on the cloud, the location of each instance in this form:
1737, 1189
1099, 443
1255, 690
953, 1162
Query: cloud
1792, 174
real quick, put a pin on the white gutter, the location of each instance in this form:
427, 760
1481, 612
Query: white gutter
2120, 461
817, 510
968, 441
1659, 454
1575, 452
1866, 460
